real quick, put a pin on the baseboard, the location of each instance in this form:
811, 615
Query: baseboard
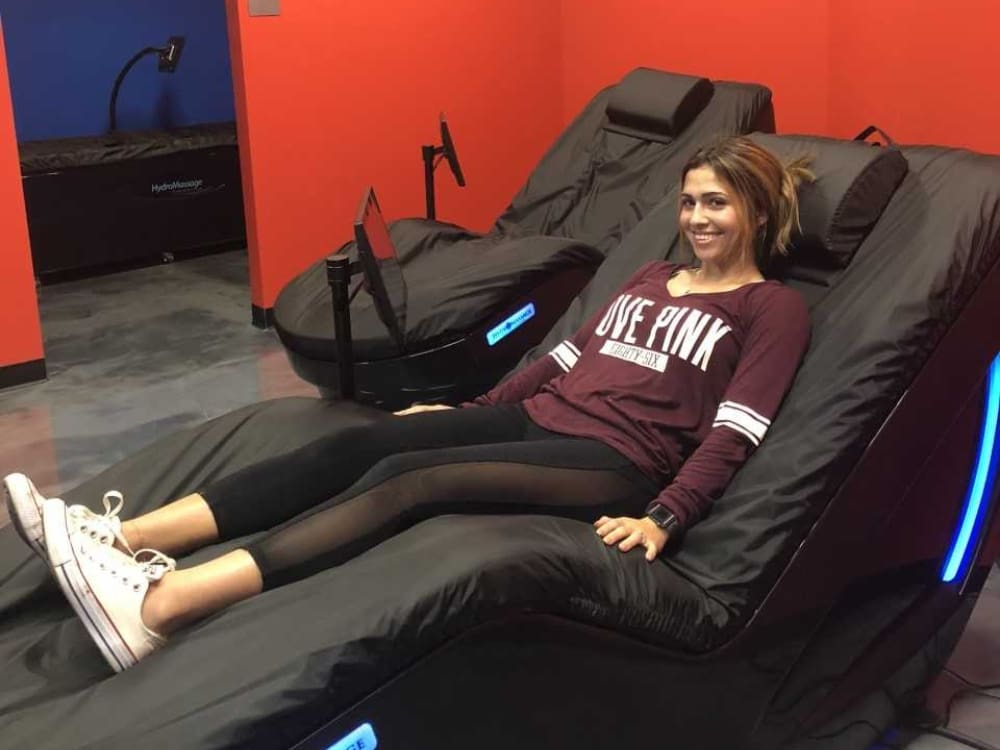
262, 317
21, 373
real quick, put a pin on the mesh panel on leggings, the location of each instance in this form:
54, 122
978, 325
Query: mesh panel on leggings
348, 526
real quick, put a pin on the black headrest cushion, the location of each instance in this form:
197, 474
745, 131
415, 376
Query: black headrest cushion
655, 105
854, 183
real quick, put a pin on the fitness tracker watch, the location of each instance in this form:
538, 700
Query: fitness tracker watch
662, 517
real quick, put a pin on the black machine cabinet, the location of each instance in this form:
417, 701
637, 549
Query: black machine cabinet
454, 370
130, 198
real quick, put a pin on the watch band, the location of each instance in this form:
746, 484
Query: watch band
662, 517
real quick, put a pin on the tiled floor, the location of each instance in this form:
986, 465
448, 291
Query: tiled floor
133, 356
976, 659
136, 355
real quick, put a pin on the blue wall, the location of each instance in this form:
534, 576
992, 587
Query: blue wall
63, 56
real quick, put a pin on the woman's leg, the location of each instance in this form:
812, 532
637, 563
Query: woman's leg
532, 477
277, 489
178, 527
203, 589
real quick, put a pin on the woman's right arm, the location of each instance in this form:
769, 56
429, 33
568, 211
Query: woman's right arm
524, 384
528, 381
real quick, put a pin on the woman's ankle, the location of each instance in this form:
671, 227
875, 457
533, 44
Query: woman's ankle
177, 528
133, 537
183, 597
160, 612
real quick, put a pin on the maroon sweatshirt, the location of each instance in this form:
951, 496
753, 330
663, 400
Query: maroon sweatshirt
685, 387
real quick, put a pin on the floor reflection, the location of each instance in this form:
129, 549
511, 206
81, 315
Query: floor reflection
134, 356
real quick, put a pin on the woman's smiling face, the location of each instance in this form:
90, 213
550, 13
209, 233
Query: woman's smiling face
709, 217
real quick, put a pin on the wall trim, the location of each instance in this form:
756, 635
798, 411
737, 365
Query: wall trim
262, 317
21, 373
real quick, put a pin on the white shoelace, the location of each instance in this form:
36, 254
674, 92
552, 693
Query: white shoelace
156, 565
108, 496
151, 564
109, 521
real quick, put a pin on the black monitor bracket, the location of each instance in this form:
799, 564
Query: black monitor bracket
339, 270
432, 157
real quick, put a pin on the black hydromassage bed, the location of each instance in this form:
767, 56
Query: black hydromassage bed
612, 164
807, 610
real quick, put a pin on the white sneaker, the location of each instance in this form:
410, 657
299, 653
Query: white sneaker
104, 586
105, 528
24, 506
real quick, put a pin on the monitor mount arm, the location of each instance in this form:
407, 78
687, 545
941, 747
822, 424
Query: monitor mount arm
432, 157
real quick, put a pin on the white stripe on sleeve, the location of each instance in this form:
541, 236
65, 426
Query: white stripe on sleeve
555, 355
742, 419
566, 355
735, 427
742, 407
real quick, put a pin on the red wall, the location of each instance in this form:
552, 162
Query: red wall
924, 72
779, 43
333, 94
20, 330
337, 94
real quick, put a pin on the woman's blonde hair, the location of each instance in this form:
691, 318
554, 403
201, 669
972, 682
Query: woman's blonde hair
763, 186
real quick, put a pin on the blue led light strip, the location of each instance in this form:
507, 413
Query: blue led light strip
510, 324
985, 468
362, 738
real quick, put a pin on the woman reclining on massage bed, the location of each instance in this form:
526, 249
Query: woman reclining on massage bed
640, 421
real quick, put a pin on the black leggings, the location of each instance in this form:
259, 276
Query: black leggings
362, 485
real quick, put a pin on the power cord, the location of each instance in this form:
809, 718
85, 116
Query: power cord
973, 688
970, 683
940, 727
963, 739
946, 720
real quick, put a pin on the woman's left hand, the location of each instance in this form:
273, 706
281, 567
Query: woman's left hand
421, 408
632, 532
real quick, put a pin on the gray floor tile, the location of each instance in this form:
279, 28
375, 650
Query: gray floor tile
134, 356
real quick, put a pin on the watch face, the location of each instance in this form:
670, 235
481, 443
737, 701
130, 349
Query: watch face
661, 516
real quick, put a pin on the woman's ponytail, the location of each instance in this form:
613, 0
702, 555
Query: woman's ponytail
787, 219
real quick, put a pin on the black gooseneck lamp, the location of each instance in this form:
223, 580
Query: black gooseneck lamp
168, 58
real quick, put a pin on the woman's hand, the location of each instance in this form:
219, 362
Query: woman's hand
632, 532
418, 408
